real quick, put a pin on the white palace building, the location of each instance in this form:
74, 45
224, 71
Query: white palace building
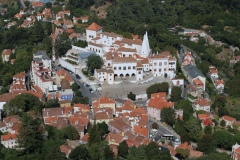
125, 57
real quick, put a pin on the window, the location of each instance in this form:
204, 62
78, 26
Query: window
110, 75
124, 68
139, 72
129, 67
154, 70
155, 64
165, 63
160, 63
119, 68
115, 68
134, 67
108, 64
165, 69
160, 70
124, 55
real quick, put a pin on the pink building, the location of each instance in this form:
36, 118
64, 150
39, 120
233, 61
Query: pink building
157, 102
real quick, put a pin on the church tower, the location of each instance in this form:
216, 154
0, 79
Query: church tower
145, 50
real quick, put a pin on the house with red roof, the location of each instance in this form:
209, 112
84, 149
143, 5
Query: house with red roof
213, 71
9, 140
229, 120
4, 98
118, 126
92, 31
156, 104
6, 55
104, 102
201, 104
235, 152
113, 138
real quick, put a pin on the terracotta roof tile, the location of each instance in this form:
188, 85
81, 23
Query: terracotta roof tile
228, 118
113, 137
94, 26
85, 138
8, 137
202, 102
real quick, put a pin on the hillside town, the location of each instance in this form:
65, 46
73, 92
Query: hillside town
94, 92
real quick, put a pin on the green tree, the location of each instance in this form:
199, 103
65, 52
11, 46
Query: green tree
23, 103
205, 144
185, 105
103, 127
154, 125
79, 152
75, 87
176, 94
222, 123
208, 130
83, 100
108, 153
52, 103
123, 149
168, 115
94, 135
157, 87
30, 136
70, 132
152, 151
182, 153
132, 96
78, 94
219, 156
136, 153
193, 128
94, 62
165, 155
223, 139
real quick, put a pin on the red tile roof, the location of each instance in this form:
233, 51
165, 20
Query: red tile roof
85, 138
65, 149
160, 103
6, 52
202, 102
94, 26
12, 119
8, 137
203, 116
159, 94
7, 97
113, 137
228, 118
198, 83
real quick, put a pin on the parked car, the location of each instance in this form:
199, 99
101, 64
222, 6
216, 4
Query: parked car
91, 90
78, 77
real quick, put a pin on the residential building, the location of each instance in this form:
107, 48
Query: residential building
229, 120
235, 152
41, 71
9, 140
62, 75
118, 126
104, 102
4, 98
114, 139
157, 102
104, 75
195, 77
178, 82
213, 72
201, 104
92, 31
18, 84
6, 55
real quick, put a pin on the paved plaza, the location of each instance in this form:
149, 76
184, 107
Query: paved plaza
125, 86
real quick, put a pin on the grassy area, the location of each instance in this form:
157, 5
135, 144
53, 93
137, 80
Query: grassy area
233, 106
